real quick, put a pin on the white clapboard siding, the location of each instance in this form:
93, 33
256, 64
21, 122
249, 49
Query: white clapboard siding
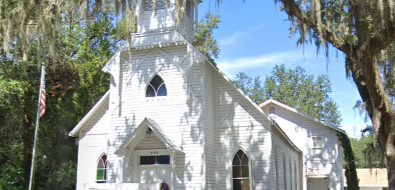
150, 142
203, 114
284, 158
301, 130
92, 144
209, 125
187, 28
162, 20
154, 21
179, 116
240, 125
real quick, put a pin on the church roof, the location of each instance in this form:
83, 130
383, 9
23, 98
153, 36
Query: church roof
103, 100
113, 61
301, 113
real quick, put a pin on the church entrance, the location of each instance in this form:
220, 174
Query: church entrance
155, 166
155, 174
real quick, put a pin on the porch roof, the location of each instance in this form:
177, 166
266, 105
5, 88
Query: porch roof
140, 132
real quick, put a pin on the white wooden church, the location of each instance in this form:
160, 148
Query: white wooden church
170, 116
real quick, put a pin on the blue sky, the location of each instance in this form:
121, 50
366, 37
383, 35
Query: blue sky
254, 37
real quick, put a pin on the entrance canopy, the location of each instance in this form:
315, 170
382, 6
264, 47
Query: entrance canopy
146, 127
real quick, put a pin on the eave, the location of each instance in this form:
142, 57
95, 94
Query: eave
92, 112
302, 114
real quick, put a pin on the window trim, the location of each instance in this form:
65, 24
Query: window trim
148, 84
314, 148
249, 167
156, 156
153, 152
105, 168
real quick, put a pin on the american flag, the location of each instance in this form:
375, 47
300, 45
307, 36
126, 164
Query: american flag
43, 94
40, 112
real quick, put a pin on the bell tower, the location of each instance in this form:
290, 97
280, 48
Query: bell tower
161, 16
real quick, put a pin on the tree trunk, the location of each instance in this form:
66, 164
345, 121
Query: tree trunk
367, 77
391, 171
362, 63
387, 144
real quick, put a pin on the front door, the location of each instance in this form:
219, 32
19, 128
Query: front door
155, 174
155, 166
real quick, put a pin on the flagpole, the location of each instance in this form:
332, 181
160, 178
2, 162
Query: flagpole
36, 130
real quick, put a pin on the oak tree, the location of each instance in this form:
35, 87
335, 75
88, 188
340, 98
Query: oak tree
365, 32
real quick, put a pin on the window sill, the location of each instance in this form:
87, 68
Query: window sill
155, 165
101, 181
158, 98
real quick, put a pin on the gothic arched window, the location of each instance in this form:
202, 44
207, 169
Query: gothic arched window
156, 87
241, 171
101, 175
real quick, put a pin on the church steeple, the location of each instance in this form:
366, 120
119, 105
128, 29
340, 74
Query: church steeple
180, 15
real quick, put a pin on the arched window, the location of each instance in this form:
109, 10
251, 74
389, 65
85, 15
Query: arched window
101, 175
156, 87
241, 171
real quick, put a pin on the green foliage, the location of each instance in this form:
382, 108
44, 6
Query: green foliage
203, 36
295, 88
349, 164
251, 87
5, 186
74, 83
367, 152
365, 32
36, 21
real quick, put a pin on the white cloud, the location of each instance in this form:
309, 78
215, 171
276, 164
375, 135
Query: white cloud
237, 35
271, 59
231, 39
354, 129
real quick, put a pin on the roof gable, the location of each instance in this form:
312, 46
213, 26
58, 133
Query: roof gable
103, 101
267, 102
140, 132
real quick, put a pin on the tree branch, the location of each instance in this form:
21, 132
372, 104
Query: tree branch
383, 38
379, 42
293, 9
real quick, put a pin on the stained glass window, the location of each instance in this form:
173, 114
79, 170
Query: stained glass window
101, 175
241, 171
